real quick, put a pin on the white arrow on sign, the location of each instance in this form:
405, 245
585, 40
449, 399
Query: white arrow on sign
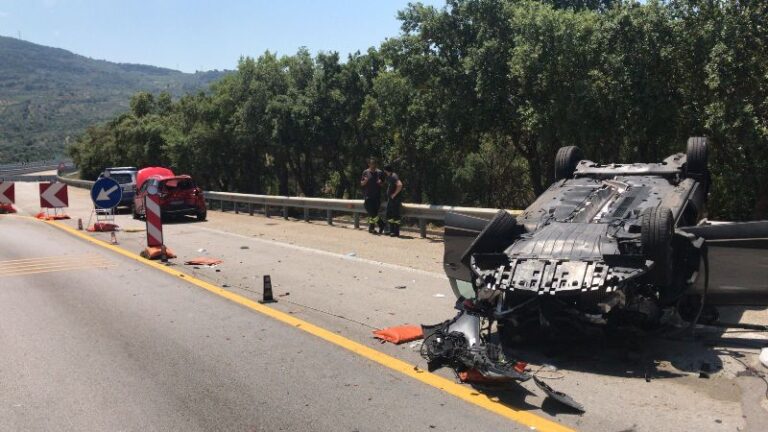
104, 194
50, 195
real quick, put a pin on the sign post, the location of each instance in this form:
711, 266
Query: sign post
153, 214
106, 194
53, 196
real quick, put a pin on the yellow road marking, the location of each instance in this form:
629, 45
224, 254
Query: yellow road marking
467, 394
51, 270
43, 264
47, 258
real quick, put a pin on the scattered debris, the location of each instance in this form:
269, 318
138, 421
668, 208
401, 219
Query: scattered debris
134, 230
400, 287
201, 250
438, 295
764, 356
351, 254
244, 247
204, 261
548, 367
284, 294
558, 396
399, 334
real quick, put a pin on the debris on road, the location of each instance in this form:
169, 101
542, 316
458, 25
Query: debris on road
204, 261
400, 287
399, 334
244, 247
351, 254
7, 208
764, 356
438, 295
558, 396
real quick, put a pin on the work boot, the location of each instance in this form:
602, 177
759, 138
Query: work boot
394, 230
372, 228
382, 227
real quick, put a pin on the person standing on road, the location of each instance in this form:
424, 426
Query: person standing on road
394, 200
371, 183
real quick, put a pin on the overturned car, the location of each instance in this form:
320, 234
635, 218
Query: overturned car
607, 246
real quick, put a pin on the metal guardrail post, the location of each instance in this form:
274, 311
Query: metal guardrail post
266, 210
423, 227
285, 212
329, 216
236, 205
357, 220
250, 209
306, 214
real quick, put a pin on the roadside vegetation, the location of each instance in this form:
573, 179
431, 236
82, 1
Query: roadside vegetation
471, 101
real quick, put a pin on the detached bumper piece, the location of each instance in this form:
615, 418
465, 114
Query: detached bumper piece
456, 344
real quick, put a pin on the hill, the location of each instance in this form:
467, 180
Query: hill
48, 94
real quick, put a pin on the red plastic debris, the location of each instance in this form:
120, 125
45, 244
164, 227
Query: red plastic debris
203, 261
7, 208
399, 334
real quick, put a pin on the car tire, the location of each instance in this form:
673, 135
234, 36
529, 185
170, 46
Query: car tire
566, 160
657, 228
202, 216
495, 237
697, 165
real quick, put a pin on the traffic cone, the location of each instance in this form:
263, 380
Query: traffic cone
80, 224
268, 298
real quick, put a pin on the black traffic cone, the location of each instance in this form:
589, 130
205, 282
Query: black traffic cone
268, 298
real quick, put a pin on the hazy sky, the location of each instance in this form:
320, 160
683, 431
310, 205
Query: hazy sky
200, 35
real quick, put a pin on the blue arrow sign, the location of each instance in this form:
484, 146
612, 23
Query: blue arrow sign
106, 193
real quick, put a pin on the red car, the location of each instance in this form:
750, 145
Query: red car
179, 196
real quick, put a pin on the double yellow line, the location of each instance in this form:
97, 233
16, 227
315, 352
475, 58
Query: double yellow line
30, 266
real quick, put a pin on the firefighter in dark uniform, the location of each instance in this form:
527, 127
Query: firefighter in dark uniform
371, 183
394, 200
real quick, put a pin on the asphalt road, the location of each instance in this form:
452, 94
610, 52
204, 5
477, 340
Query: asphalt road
350, 282
94, 341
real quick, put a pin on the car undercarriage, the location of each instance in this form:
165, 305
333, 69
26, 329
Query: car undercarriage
606, 247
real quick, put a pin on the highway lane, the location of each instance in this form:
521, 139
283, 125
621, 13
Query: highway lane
316, 280
124, 347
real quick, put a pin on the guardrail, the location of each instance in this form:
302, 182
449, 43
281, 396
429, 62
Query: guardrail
28, 178
421, 212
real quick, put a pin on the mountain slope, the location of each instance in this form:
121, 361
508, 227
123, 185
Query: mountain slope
49, 94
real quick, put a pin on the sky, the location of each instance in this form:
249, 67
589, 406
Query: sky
192, 35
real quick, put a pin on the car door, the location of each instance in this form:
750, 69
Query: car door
737, 254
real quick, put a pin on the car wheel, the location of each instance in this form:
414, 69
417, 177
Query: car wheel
696, 158
201, 216
657, 228
566, 160
495, 237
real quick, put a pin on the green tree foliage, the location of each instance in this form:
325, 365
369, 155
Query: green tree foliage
471, 101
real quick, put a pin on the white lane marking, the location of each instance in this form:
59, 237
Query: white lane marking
331, 254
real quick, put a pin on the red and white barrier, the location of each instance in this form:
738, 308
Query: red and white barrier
7, 197
155, 246
154, 221
53, 196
